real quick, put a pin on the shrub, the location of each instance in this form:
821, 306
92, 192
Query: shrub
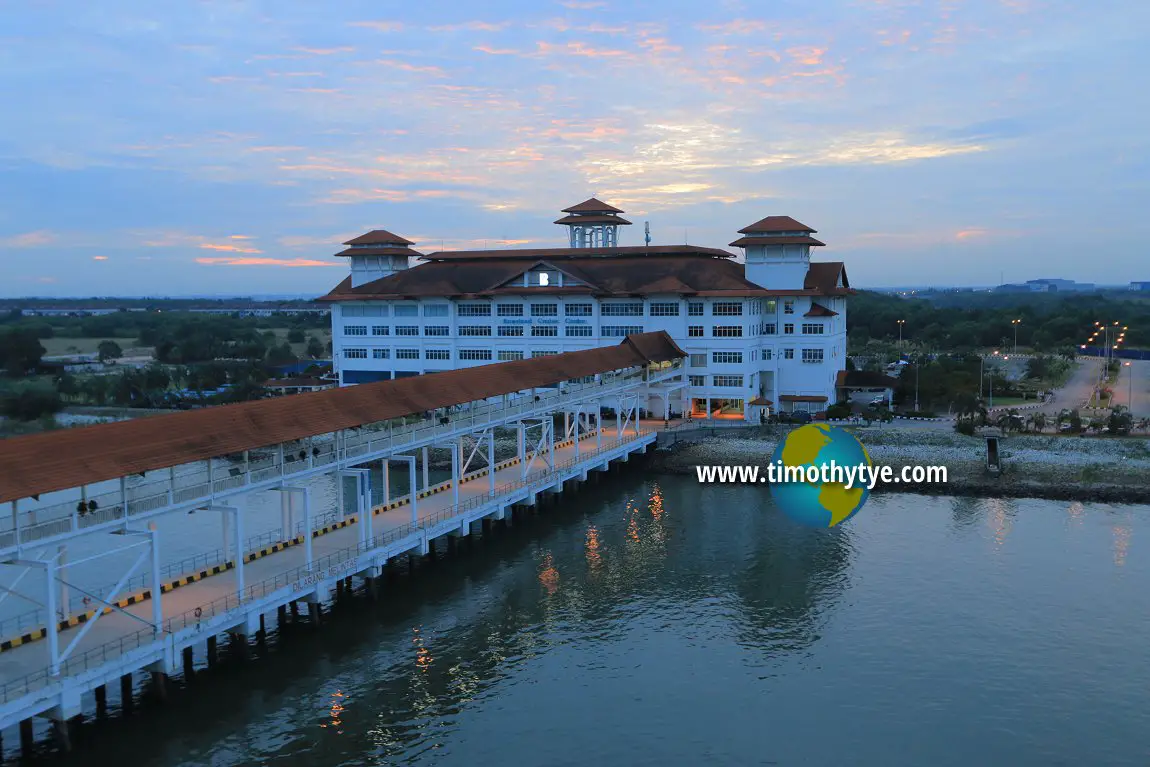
840, 410
964, 426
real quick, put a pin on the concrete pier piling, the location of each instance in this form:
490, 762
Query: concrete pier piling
127, 694
101, 694
213, 654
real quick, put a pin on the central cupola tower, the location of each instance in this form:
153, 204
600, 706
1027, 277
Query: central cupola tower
778, 251
593, 224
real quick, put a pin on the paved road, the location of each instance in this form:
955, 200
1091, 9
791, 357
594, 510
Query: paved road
1139, 387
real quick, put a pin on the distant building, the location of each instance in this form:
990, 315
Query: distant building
1140, 285
1046, 285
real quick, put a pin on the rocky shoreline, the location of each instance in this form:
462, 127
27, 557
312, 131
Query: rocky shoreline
1057, 468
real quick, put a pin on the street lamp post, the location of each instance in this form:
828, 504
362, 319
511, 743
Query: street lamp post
900, 324
1016, 323
1130, 387
917, 365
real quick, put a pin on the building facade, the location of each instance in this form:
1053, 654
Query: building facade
767, 333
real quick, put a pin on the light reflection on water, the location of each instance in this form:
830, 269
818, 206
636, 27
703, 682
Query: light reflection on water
668, 623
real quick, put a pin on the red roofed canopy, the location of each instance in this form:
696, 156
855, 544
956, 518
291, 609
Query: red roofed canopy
379, 237
592, 206
776, 224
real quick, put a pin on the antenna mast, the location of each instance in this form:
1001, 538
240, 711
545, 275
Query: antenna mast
647, 233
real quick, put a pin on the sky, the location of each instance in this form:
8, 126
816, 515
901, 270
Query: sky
230, 147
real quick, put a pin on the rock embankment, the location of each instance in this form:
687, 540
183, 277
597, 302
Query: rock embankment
1087, 469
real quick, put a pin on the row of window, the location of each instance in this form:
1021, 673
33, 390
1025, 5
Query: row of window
718, 381
807, 328
736, 358
574, 331
440, 354
617, 309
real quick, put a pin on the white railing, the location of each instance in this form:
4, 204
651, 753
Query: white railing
155, 497
301, 577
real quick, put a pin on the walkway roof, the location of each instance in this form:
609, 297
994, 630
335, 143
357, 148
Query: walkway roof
58, 460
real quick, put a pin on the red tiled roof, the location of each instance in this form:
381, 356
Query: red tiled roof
592, 206
620, 276
630, 250
825, 276
776, 224
396, 251
593, 219
818, 310
801, 398
379, 237
743, 242
58, 460
761, 402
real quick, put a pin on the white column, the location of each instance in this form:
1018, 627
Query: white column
307, 527
551, 442
226, 524
339, 483
520, 447
414, 495
598, 424
239, 543
65, 601
285, 514
455, 448
53, 625
385, 465
491, 461
426, 470
157, 587
367, 516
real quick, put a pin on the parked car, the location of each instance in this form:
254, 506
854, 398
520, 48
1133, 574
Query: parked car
797, 417
879, 401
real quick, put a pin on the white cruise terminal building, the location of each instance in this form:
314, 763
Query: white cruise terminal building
770, 333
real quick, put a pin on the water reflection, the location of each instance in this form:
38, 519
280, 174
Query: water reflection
1122, 535
562, 624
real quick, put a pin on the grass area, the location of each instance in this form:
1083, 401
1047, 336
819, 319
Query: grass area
300, 350
59, 346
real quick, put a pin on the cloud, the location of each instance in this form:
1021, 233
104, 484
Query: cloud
379, 26
242, 261
735, 27
582, 5
325, 51
228, 248
497, 51
99, 258
473, 26
407, 67
35, 239
969, 234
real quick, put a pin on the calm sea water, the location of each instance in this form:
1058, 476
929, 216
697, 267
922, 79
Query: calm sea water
659, 622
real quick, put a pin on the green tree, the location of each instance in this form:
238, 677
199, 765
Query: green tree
20, 351
27, 403
295, 336
315, 348
109, 350
281, 355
